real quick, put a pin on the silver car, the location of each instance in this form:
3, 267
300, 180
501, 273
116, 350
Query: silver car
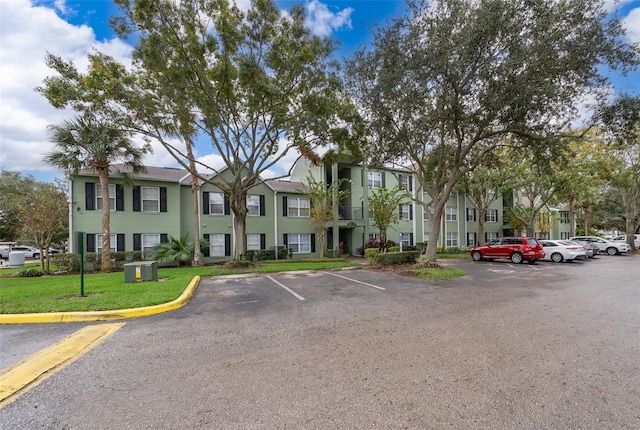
28, 251
611, 248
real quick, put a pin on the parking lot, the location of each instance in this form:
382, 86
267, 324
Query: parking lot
506, 346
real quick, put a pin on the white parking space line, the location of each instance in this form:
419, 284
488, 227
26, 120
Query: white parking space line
296, 295
354, 280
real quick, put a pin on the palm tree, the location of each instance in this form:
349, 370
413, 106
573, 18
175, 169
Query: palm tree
89, 143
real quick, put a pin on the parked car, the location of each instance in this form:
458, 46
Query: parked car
589, 248
516, 249
28, 251
562, 250
623, 238
611, 248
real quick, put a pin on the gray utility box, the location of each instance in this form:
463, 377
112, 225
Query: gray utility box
141, 271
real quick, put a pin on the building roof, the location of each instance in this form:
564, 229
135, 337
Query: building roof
286, 186
164, 174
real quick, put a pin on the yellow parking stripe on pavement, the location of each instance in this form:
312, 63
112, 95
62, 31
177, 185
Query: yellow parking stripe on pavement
44, 363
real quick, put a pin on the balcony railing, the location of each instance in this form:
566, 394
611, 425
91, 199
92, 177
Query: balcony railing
350, 213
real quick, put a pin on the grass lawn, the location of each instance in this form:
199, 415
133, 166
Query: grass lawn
108, 291
438, 273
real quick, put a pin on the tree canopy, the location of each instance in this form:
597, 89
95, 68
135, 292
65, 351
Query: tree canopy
442, 86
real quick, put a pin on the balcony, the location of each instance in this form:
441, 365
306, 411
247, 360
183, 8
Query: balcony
349, 213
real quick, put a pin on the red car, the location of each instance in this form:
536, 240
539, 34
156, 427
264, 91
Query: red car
516, 249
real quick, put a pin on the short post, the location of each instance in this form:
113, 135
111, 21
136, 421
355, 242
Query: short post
400, 242
80, 245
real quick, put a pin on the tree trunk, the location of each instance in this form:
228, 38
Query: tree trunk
434, 233
322, 241
197, 255
572, 229
585, 209
480, 239
238, 204
103, 175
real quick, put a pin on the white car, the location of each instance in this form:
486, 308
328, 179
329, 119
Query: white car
611, 248
623, 238
562, 250
28, 251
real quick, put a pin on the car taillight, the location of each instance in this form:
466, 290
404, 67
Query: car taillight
572, 248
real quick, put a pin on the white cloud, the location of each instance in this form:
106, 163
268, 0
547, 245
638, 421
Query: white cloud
632, 24
323, 22
28, 32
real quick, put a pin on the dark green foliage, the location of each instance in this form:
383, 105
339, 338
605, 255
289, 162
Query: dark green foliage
66, 262
388, 258
31, 272
267, 254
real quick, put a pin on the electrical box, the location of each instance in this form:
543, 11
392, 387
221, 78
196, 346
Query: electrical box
141, 271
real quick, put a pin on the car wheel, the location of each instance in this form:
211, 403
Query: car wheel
36, 256
476, 256
556, 257
612, 251
516, 258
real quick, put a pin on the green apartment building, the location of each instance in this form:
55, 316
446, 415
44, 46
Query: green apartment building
158, 204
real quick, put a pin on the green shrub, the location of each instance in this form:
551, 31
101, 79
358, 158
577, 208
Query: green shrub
238, 264
393, 249
397, 257
30, 272
371, 255
421, 246
67, 262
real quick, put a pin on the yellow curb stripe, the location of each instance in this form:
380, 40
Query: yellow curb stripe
44, 363
49, 317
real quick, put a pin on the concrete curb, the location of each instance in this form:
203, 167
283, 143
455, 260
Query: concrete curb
56, 317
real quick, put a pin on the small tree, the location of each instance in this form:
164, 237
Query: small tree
45, 218
383, 208
177, 250
324, 202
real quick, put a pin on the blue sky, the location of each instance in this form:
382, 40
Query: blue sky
71, 28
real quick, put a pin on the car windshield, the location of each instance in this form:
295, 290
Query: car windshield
532, 242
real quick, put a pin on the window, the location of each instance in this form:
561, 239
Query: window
374, 236
564, 217
471, 239
216, 245
452, 240
216, 203
406, 239
253, 204
298, 206
406, 212
491, 195
431, 210
491, 215
112, 243
112, 197
471, 214
406, 182
490, 236
375, 179
254, 241
150, 199
425, 237
451, 213
564, 235
299, 242
149, 241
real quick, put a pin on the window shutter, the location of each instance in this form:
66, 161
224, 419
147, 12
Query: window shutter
383, 180
362, 177
163, 199
313, 242
164, 238
285, 239
410, 183
411, 239
136, 199
206, 252
400, 211
137, 242
119, 198
411, 211
120, 242
205, 202
227, 209
284, 206
263, 241
227, 244
91, 242
90, 196
262, 208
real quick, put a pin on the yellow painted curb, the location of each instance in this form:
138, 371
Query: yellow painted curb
44, 363
49, 317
